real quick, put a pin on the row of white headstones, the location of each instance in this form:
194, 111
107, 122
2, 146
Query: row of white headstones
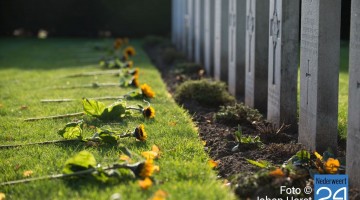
253, 45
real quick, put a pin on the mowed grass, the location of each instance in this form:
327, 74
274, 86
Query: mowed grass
30, 68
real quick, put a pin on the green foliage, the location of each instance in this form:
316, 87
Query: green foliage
72, 130
93, 108
107, 136
115, 111
238, 114
81, 161
246, 140
204, 92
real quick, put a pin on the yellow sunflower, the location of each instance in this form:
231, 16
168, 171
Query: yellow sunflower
149, 112
140, 133
146, 168
117, 44
134, 81
147, 91
129, 51
332, 165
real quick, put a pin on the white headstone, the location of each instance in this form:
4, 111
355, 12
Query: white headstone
173, 21
184, 26
319, 73
221, 40
353, 135
237, 15
283, 62
256, 60
198, 29
209, 36
190, 23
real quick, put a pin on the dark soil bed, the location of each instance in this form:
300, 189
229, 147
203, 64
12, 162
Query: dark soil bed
220, 139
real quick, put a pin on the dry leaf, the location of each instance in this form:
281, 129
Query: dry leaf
23, 107
172, 123
145, 184
27, 173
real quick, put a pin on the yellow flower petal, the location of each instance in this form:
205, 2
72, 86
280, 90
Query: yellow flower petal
159, 195
125, 158
149, 154
213, 163
145, 184
2, 196
318, 156
277, 173
332, 165
27, 173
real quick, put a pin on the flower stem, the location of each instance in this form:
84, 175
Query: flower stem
114, 72
93, 85
37, 143
58, 176
55, 116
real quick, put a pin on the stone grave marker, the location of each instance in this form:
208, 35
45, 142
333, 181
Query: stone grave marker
198, 30
209, 36
353, 135
283, 62
190, 30
221, 40
319, 73
237, 47
256, 56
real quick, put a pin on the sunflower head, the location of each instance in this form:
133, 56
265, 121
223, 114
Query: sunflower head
134, 81
146, 169
117, 43
139, 133
130, 51
147, 91
149, 112
134, 72
129, 64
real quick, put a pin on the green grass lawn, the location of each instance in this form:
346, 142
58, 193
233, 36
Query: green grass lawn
29, 68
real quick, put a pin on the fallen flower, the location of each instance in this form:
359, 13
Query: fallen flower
149, 112
129, 51
147, 91
332, 165
139, 133
145, 184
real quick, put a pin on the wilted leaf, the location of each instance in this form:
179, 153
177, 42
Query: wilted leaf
81, 161
72, 130
93, 107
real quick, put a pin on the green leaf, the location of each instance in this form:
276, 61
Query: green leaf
238, 134
72, 130
303, 155
115, 111
93, 107
81, 161
261, 164
108, 136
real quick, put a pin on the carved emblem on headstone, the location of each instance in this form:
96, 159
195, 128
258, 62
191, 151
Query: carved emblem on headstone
275, 34
250, 28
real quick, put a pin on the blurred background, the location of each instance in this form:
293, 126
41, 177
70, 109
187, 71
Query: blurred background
85, 18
